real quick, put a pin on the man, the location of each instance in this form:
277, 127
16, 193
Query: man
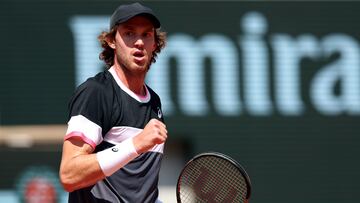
115, 138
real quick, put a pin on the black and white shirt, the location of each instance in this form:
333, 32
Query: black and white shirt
103, 113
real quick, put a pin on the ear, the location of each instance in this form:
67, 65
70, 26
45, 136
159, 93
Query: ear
154, 46
111, 42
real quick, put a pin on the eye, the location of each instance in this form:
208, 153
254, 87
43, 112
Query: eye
129, 33
148, 34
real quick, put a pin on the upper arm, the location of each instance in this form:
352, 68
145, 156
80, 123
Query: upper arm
79, 166
87, 114
84, 130
74, 147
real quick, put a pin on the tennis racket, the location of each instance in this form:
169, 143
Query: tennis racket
213, 177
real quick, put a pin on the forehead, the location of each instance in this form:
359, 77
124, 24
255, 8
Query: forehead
140, 22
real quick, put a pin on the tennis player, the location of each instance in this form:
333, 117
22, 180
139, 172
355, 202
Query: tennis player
115, 138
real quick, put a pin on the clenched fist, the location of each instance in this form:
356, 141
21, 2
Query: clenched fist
154, 133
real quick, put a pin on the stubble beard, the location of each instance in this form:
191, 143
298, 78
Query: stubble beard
126, 64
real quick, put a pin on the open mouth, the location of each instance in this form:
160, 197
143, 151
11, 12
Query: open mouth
138, 54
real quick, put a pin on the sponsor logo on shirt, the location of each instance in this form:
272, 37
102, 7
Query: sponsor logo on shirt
160, 114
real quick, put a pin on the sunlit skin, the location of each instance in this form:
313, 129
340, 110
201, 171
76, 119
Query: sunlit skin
134, 45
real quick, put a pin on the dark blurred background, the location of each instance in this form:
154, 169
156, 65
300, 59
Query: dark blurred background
273, 84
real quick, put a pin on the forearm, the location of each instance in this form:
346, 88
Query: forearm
80, 171
81, 167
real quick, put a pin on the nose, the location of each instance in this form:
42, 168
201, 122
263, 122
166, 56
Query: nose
139, 43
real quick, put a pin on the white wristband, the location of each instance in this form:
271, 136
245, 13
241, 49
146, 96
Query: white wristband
114, 158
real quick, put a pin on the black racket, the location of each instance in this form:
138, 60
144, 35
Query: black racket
213, 177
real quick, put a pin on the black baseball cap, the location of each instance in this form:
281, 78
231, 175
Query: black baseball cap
127, 11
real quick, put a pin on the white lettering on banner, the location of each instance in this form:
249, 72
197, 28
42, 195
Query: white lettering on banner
287, 55
85, 30
189, 54
346, 69
225, 73
256, 65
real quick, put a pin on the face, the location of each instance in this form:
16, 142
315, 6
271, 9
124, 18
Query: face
134, 45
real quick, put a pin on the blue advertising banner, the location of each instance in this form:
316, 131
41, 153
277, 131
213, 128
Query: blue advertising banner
274, 84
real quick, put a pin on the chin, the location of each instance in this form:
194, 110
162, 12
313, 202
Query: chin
143, 67
138, 70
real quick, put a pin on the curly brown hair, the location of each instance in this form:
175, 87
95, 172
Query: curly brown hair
107, 54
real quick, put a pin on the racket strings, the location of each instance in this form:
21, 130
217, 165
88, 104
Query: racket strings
212, 179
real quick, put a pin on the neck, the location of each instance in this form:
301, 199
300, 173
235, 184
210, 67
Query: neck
135, 82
